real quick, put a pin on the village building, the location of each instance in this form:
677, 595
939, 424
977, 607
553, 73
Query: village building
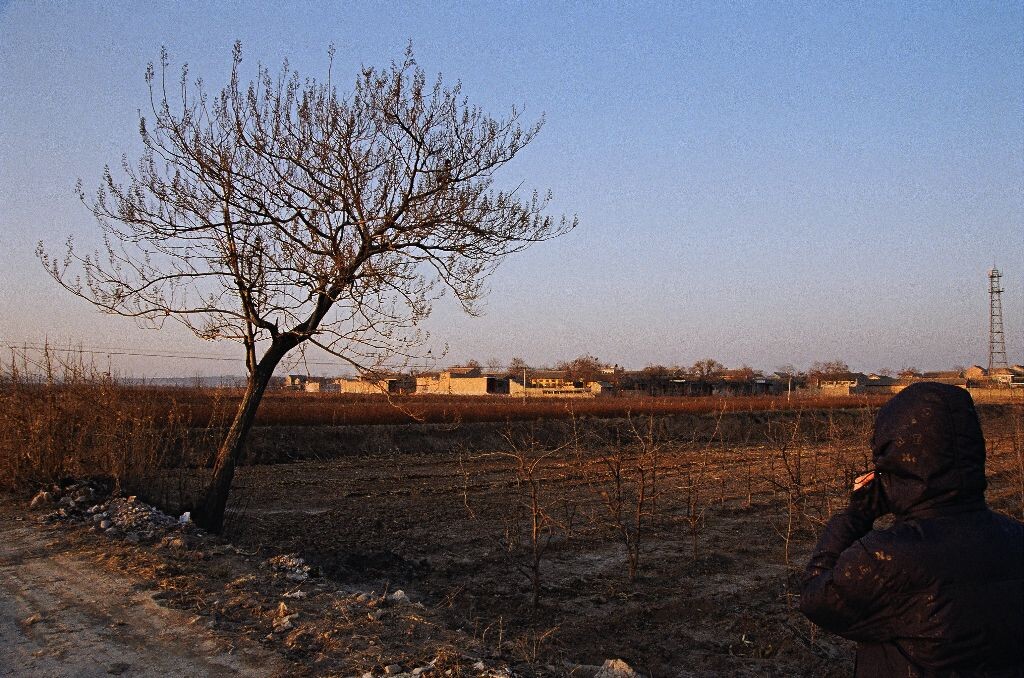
461, 381
309, 384
841, 383
398, 384
296, 382
556, 384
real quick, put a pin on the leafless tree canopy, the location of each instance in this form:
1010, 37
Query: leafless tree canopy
279, 209
279, 212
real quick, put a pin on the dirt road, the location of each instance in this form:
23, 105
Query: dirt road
62, 615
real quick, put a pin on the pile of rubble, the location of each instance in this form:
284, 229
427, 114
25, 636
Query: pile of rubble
468, 666
125, 517
291, 567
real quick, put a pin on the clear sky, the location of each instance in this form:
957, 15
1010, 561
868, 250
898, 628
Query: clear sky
762, 183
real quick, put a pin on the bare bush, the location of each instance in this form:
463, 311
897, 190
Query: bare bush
695, 499
539, 514
623, 476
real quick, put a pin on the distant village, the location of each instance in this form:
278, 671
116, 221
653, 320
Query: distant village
586, 377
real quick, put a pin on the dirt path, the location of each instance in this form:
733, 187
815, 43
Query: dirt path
61, 615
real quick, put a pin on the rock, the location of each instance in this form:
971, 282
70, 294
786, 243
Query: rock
99, 517
185, 518
296, 595
398, 597
368, 674
362, 597
287, 623
479, 666
616, 668
244, 580
34, 619
175, 543
41, 499
106, 524
420, 670
291, 565
284, 621
392, 670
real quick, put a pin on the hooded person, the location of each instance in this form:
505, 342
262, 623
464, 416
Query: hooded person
941, 592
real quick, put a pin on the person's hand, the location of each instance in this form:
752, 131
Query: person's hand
862, 480
867, 501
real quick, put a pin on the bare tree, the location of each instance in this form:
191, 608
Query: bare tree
824, 370
279, 213
516, 367
583, 369
707, 370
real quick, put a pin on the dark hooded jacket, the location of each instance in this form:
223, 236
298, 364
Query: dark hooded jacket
941, 592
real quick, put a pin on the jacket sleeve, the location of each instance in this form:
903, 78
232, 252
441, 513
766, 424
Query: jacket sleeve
846, 587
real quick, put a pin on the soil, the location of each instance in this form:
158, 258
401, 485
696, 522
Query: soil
445, 531
724, 532
64, 614
453, 530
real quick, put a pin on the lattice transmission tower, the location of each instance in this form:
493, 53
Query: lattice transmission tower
996, 339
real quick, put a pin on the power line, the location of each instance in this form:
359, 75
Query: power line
98, 350
114, 351
138, 353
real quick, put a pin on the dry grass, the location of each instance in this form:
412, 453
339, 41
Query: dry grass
62, 418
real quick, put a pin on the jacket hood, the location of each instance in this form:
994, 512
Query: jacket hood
929, 451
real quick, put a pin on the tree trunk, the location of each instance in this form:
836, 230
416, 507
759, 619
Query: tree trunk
210, 513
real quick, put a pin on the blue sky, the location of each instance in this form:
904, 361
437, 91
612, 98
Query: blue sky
759, 183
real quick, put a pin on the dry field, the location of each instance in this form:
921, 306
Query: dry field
680, 556
667, 532
284, 408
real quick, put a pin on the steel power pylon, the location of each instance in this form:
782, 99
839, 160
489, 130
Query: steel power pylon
996, 339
